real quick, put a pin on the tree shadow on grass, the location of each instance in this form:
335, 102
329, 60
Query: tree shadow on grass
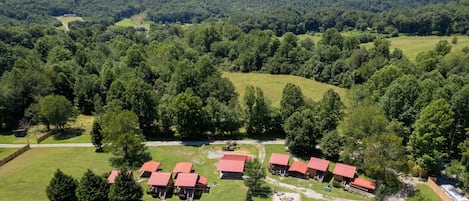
67, 133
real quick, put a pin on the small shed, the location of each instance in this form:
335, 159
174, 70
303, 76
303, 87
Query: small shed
159, 184
278, 163
20, 132
148, 168
343, 172
190, 185
112, 177
318, 168
182, 167
298, 169
361, 185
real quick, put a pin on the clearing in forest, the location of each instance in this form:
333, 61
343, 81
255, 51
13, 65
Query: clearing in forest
273, 85
67, 19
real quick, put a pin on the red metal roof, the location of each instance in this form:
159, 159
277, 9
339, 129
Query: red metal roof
112, 176
202, 180
279, 159
299, 166
364, 183
150, 166
230, 166
344, 170
159, 179
235, 157
318, 164
186, 180
184, 167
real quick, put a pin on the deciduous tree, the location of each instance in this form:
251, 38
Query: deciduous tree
427, 142
56, 110
123, 138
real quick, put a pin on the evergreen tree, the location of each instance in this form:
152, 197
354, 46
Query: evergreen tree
96, 136
125, 188
92, 188
61, 187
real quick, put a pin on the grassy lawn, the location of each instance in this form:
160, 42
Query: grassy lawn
9, 138
273, 85
66, 20
134, 21
6, 151
424, 192
77, 131
33, 170
412, 45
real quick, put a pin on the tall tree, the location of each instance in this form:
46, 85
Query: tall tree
125, 188
123, 138
56, 110
188, 115
383, 154
460, 105
427, 142
92, 188
61, 187
292, 100
96, 135
330, 110
303, 130
257, 111
331, 144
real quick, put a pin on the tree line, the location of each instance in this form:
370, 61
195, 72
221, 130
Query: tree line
168, 84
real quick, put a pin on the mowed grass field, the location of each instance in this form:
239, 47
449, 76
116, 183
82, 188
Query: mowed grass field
273, 85
411, 46
134, 21
26, 177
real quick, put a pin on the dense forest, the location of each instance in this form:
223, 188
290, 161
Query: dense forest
403, 115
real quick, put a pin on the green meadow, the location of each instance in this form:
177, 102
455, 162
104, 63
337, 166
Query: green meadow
134, 21
411, 46
33, 170
273, 85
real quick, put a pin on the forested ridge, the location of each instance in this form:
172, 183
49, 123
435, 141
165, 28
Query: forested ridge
166, 82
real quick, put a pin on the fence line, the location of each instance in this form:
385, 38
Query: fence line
437, 189
14, 155
43, 137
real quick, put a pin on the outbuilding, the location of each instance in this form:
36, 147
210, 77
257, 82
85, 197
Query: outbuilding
278, 163
298, 169
318, 168
148, 168
159, 184
343, 172
182, 167
190, 185
361, 185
